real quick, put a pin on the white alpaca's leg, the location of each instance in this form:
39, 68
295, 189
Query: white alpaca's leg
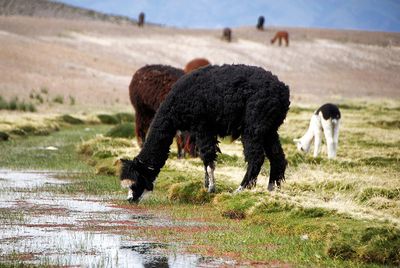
335, 136
317, 129
327, 126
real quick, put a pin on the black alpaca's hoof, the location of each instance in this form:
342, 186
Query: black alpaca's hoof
211, 190
132, 201
206, 182
271, 186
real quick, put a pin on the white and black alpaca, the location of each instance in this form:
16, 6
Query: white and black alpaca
229, 100
324, 120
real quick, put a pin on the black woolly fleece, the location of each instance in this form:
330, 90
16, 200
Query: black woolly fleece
228, 100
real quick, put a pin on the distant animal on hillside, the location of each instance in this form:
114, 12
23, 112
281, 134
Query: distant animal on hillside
250, 103
281, 35
148, 88
196, 64
324, 120
260, 23
141, 19
227, 34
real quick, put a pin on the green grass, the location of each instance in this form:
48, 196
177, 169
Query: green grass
123, 130
17, 105
108, 119
329, 213
71, 119
30, 153
58, 99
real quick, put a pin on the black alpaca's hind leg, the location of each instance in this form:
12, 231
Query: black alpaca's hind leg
254, 156
208, 153
276, 156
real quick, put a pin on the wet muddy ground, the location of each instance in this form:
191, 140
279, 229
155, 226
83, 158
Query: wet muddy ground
43, 227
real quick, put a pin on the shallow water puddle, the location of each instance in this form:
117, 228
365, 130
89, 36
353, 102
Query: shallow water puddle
41, 227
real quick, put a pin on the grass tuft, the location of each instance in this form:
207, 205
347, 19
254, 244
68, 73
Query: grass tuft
16, 105
314, 212
371, 192
4, 136
108, 119
125, 117
192, 192
394, 124
124, 130
71, 120
58, 99
374, 245
230, 160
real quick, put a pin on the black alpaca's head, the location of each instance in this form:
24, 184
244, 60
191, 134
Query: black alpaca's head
137, 177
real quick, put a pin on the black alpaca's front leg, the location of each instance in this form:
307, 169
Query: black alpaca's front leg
254, 156
276, 156
208, 153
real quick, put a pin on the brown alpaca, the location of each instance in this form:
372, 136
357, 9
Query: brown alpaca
227, 34
281, 35
141, 19
148, 88
196, 64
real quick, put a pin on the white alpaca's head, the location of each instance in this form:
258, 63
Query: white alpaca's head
301, 145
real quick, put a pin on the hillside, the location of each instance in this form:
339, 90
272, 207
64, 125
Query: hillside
92, 60
51, 9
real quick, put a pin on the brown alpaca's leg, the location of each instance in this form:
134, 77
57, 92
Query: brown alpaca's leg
280, 41
192, 146
142, 126
138, 130
180, 144
287, 41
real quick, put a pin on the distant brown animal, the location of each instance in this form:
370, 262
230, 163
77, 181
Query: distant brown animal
196, 64
141, 19
281, 35
227, 34
260, 23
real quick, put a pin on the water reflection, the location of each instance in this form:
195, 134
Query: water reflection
61, 230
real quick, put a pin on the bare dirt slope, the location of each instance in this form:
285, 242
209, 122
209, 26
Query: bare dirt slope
93, 60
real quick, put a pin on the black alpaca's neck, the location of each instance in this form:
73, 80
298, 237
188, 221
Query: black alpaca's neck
155, 150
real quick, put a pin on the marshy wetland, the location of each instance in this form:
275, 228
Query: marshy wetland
61, 202
66, 119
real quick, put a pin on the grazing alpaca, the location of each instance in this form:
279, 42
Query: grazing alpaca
260, 23
228, 100
325, 119
148, 88
141, 19
281, 35
227, 34
196, 64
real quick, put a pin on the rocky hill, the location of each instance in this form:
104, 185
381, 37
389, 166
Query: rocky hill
90, 57
44, 8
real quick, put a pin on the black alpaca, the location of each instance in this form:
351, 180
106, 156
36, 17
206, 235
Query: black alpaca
228, 100
260, 23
